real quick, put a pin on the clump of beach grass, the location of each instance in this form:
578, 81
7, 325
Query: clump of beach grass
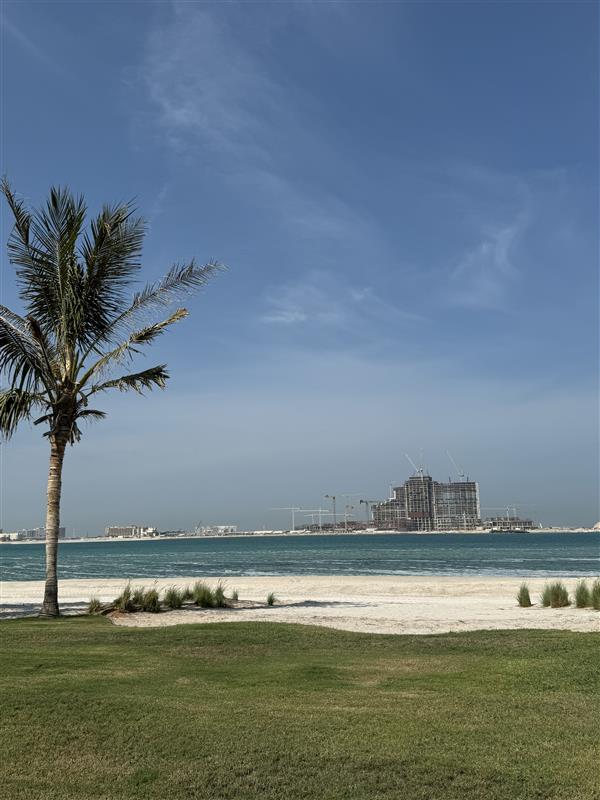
187, 593
203, 595
219, 599
137, 596
151, 601
555, 595
94, 606
235, 596
583, 597
595, 595
523, 596
173, 597
124, 602
271, 599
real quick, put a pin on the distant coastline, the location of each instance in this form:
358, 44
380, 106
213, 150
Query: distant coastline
262, 534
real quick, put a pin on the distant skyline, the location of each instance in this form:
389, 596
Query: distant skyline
406, 196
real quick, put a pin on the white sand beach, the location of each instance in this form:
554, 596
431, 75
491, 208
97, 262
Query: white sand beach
374, 604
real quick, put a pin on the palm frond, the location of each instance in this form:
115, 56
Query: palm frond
19, 211
151, 332
16, 406
48, 351
43, 247
111, 252
138, 381
129, 347
21, 358
180, 280
92, 414
34, 267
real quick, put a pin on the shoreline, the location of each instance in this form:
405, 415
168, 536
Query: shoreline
376, 604
275, 534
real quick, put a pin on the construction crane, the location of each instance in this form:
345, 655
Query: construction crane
459, 471
514, 507
317, 512
348, 510
293, 509
506, 508
418, 470
333, 498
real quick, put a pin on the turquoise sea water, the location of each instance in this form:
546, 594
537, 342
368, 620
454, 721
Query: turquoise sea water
515, 554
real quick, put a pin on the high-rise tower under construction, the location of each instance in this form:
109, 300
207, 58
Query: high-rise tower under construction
422, 504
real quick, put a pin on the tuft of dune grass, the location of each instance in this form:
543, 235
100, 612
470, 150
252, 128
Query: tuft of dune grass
523, 596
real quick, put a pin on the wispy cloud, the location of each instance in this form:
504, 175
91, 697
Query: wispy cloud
504, 222
222, 108
311, 300
318, 299
485, 273
206, 88
29, 45
217, 103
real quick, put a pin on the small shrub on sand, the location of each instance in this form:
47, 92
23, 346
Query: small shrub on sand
271, 599
124, 602
595, 595
187, 594
523, 597
151, 601
235, 596
545, 596
203, 595
555, 595
583, 597
173, 597
220, 601
94, 606
137, 596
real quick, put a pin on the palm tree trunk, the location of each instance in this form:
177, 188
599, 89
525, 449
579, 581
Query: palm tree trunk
57, 453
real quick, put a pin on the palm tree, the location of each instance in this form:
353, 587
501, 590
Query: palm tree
79, 327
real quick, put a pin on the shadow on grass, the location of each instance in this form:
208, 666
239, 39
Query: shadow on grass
21, 610
18, 610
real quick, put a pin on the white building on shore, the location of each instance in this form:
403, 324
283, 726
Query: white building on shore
216, 530
129, 531
29, 535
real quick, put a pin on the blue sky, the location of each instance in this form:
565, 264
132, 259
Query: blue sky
406, 196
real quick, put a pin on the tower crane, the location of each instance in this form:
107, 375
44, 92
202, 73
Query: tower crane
418, 470
459, 471
293, 509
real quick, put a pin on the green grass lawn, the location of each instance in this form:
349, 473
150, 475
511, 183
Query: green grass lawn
254, 710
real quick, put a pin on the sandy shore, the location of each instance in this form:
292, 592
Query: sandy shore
377, 604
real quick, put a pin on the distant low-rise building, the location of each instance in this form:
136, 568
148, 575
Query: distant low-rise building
30, 535
129, 531
216, 530
508, 523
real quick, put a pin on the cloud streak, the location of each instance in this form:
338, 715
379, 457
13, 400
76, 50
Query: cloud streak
484, 275
207, 90
29, 46
212, 93
319, 300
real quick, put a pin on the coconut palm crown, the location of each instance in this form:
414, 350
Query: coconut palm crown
81, 327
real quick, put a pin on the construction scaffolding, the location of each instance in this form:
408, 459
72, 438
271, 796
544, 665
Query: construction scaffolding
422, 504
456, 506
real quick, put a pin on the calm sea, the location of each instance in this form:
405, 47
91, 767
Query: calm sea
514, 554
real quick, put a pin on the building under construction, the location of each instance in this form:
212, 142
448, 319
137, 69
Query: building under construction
422, 504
